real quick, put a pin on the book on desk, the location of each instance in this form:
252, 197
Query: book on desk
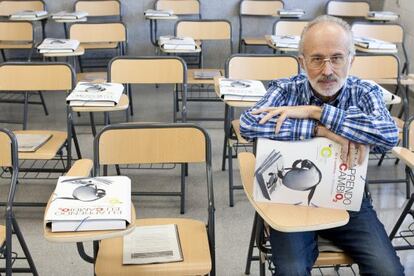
202, 74
58, 45
86, 204
158, 13
285, 41
382, 15
308, 172
95, 94
177, 43
64, 15
241, 90
372, 43
28, 15
28, 142
152, 244
291, 13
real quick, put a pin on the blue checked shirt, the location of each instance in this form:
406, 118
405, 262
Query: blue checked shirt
358, 113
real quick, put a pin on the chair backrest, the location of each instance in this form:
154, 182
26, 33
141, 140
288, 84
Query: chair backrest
347, 8
98, 32
204, 29
289, 27
16, 31
181, 7
36, 76
260, 8
147, 70
9, 7
99, 8
375, 67
151, 143
261, 67
388, 32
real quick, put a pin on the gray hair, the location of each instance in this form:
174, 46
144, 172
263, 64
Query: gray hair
329, 19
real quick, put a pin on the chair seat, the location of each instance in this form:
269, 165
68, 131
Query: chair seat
236, 128
98, 77
100, 45
194, 244
333, 258
11, 45
2, 234
254, 41
49, 149
122, 105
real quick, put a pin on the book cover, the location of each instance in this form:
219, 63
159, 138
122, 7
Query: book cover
308, 173
31, 142
177, 43
152, 244
286, 41
95, 94
58, 45
372, 43
84, 204
249, 90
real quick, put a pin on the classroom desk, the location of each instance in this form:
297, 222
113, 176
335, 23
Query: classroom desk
70, 56
42, 20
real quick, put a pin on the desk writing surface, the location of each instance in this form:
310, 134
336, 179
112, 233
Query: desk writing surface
376, 51
285, 217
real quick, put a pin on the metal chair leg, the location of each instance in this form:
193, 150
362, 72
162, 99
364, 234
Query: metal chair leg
42, 100
251, 245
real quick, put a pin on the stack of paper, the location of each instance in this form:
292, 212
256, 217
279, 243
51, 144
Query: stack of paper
58, 45
28, 15
158, 13
308, 172
152, 244
206, 74
291, 13
383, 15
177, 43
27, 142
286, 41
372, 43
95, 94
63, 15
86, 204
241, 90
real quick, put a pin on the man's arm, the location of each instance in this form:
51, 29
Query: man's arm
252, 125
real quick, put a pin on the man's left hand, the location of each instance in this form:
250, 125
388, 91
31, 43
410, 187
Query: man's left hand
298, 112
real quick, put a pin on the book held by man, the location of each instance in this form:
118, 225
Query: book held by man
177, 43
28, 15
96, 94
286, 41
308, 172
64, 15
58, 45
87, 203
28, 142
241, 90
152, 244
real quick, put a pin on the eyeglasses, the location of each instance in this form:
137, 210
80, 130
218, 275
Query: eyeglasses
317, 62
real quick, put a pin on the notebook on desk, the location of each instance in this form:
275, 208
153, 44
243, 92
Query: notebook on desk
206, 74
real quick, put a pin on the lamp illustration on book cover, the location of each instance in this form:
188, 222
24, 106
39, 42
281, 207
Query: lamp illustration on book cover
304, 175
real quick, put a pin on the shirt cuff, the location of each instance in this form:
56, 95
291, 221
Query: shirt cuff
332, 117
302, 129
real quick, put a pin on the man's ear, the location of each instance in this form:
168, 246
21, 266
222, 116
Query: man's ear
301, 61
352, 61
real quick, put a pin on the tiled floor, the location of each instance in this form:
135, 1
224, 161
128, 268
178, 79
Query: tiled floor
233, 225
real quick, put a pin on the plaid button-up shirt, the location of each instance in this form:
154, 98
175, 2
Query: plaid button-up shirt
358, 113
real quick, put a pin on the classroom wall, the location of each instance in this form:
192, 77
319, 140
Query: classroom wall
138, 27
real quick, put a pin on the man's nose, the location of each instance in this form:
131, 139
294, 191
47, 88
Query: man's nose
327, 67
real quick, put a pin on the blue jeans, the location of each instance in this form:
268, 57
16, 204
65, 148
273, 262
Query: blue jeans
363, 238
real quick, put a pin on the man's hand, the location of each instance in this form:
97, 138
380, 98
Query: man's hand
298, 112
348, 148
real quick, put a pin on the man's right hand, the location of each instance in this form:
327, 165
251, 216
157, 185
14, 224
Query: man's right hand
348, 148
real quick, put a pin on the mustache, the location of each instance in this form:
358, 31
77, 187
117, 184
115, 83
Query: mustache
327, 78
